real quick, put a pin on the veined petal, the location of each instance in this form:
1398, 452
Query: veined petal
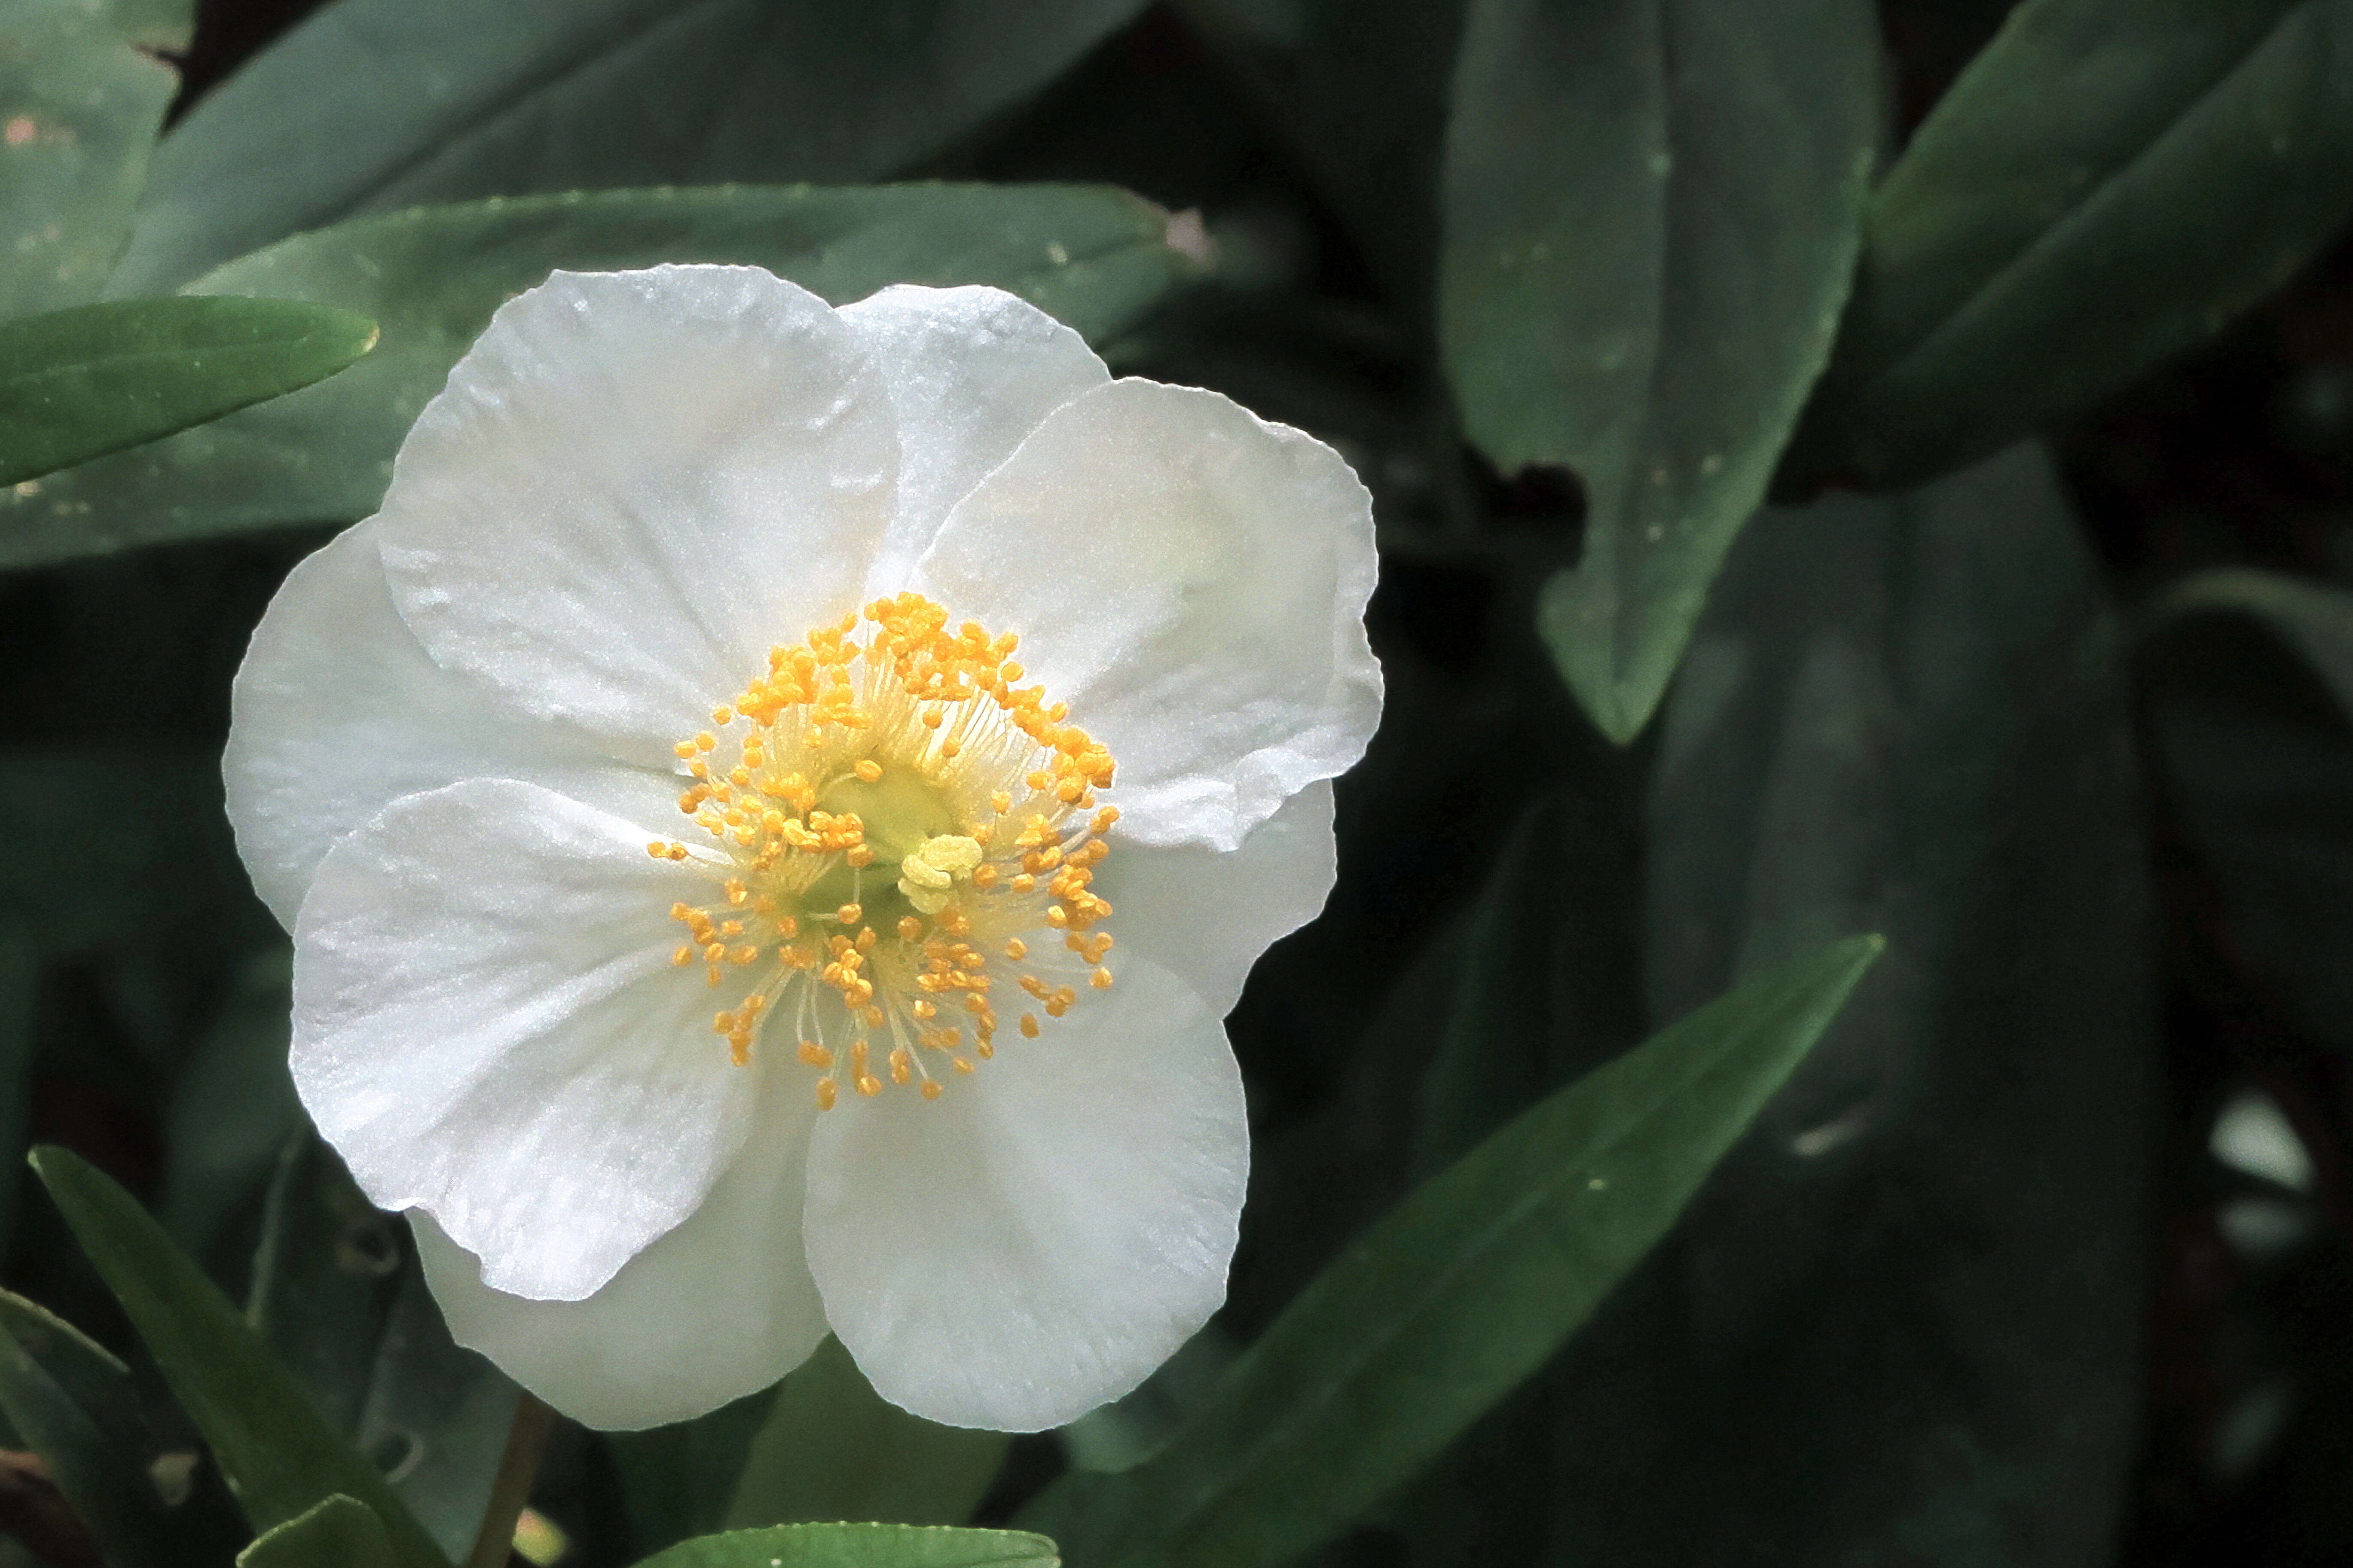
633, 486
1207, 914
1192, 581
1034, 1242
971, 370
488, 1026
719, 1307
337, 712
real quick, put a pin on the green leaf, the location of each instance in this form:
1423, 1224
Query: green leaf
2109, 182
1651, 210
2248, 683
861, 1546
81, 382
339, 1297
81, 97
1450, 1300
1904, 1324
75, 1405
340, 1533
280, 1457
833, 1448
443, 100
1096, 258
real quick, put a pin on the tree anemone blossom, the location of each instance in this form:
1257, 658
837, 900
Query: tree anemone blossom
772, 813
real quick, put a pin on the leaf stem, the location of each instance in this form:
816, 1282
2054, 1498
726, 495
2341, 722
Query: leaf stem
518, 1468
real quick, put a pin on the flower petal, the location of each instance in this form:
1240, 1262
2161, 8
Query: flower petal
1038, 1239
488, 1026
1207, 914
338, 712
635, 484
1191, 580
971, 372
719, 1307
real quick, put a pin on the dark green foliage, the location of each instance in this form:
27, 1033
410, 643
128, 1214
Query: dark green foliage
1440, 1308
281, 1457
432, 276
1652, 208
81, 382
2108, 183
81, 101
2036, 321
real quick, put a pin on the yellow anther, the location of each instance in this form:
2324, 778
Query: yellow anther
931, 1088
1099, 980
825, 1092
879, 707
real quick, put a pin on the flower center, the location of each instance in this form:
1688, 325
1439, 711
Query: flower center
908, 835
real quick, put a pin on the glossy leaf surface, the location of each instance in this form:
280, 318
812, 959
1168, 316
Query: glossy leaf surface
1652, 208
1096, 258
81, 382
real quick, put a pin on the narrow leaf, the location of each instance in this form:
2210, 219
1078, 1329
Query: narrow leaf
82, 95
861, 1546
1651, 208
75, 1405
280, 1457
340, 1300
2110, 182
442, 101
81, 382
340, 1533
1096, 258
1450, 1300
833, 1448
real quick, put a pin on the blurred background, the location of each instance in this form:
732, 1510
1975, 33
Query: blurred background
2046, 1258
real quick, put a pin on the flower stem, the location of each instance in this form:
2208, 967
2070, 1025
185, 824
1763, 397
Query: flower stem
518, 1468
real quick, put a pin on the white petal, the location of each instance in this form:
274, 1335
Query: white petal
971, 372
337, 712
1046, 1233
488, 1026
635, 484
1191, 580
717, 1309
1207, 914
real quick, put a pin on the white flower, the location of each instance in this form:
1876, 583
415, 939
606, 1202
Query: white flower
606, 872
